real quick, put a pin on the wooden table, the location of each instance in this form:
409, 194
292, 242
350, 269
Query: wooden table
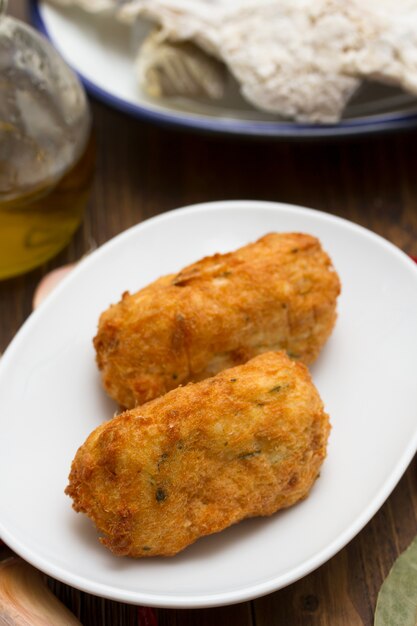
142, 171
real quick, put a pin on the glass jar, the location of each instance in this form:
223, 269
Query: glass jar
46, 151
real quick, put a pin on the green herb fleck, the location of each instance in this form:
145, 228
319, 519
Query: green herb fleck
162, 458
275, 389
150, 478
160, 495
233, 380
293, 355
174, 376
146, 548
248, 455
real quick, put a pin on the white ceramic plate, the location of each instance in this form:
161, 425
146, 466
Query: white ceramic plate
102, 51
51, 399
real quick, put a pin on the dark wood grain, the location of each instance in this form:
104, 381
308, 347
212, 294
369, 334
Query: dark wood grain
143, 171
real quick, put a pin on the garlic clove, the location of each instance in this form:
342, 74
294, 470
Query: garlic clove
26, 601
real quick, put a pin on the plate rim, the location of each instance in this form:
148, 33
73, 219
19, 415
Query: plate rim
249, 591
380, 123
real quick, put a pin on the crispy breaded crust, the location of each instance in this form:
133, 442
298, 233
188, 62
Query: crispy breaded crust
244, 443
278, 293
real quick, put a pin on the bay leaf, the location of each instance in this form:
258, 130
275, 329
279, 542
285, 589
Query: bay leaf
397, 599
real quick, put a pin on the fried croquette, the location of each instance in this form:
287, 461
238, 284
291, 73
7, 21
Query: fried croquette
278, 293
245, 443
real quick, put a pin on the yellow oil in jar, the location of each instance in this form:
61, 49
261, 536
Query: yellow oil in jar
36, 226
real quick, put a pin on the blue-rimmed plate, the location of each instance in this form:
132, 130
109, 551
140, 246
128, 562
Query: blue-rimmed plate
103, 51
